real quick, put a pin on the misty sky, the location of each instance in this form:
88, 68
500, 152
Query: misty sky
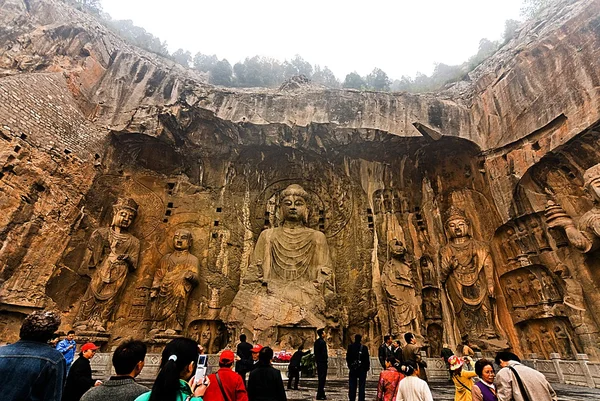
400, 37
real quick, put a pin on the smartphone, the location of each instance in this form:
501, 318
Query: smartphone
201, 368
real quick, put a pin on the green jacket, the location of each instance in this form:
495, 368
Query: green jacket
184, 392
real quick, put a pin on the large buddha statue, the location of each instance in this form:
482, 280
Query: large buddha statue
292, 251
176, 276
112, 252
467, 272
585, 237
289, 281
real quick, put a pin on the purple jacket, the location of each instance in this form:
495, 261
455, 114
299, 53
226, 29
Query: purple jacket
486, 392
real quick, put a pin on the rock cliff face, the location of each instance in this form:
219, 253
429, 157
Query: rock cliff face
86, 120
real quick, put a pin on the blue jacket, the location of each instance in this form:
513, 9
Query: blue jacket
69, 354
31, 370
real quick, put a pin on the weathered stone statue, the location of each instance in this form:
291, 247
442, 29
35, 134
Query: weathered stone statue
586, 236
112, 252
293, 251
398, 285
176, 276
467, 274
289, 281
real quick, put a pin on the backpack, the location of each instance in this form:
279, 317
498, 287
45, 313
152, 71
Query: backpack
357, 363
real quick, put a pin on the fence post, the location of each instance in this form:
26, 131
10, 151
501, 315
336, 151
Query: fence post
583, 362
555, 356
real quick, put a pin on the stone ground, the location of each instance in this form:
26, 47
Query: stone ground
337, 390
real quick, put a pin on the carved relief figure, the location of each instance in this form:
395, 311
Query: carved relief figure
586, 236
398, 285
563, 342
525, 290
112, 252
550, 287
427, 271
176, 276
537, 287
467, 274
513, 294
293, 251
548, 342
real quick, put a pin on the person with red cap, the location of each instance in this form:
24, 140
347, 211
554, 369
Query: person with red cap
80, 379
226, 384
255, 351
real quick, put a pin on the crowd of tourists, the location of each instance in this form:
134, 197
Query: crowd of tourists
32, 369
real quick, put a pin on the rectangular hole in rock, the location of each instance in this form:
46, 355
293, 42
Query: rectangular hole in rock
170, 204
168, 212
216, 223
219, 210
17, 148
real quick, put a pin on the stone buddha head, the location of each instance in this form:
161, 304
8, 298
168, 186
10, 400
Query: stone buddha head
182, 240
293, 204
457, 224
591, 179
124, 212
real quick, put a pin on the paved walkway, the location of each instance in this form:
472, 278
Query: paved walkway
337, 390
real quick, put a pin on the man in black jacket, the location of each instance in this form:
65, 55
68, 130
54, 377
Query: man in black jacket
385, 350
321, 360
294, 367
244, 364
264, 382
359, 364
80, 379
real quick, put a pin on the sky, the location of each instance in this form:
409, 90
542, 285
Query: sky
401, 37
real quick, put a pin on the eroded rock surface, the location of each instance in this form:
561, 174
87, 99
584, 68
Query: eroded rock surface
86, 119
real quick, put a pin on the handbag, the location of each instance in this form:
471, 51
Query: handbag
356, 364
520, 382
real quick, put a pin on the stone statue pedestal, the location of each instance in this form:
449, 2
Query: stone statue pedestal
97, 337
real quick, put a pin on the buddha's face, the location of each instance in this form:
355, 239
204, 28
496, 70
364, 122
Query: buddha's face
458, 228
294, 208
123, 218
182, 240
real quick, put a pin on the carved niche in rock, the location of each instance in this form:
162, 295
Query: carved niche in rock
467, 273
176, 276
289, 281
397, 280
112, 252
434, 338
546, 336
211, 334
428, 271
586, 236
530, 291
432, 306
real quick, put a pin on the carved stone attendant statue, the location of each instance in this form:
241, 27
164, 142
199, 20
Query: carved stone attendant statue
398, 285
586, 236
467, 274
176, 276
112, 252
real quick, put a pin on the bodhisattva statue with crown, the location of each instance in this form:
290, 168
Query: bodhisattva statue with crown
467, 273
112, 252
585, 237
289, 281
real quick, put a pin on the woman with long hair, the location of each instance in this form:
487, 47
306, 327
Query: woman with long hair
462, 379
484, 389
412, 388
175, 380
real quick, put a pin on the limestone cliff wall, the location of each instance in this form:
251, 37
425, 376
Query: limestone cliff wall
87, 119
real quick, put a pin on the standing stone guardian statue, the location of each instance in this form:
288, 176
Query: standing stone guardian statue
112, 252
399, 286
467, 272
176, 276
585, 236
